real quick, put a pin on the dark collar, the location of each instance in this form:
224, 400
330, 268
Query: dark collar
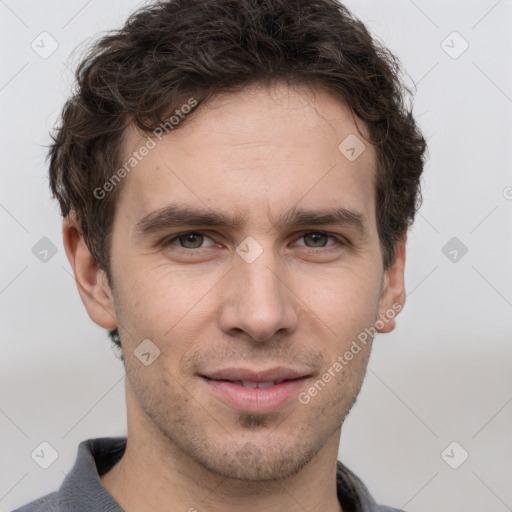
82, 488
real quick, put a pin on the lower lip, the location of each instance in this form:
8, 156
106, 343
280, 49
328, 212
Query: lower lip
255, 400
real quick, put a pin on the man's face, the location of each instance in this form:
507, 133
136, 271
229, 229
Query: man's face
291, 296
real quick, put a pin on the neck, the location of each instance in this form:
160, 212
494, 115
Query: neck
155, 475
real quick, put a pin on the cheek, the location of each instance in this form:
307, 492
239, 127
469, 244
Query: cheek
163, 302
344, 299
155, 300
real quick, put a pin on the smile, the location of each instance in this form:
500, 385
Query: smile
254, 397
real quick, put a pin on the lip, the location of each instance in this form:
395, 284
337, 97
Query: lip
255, 400
271, 374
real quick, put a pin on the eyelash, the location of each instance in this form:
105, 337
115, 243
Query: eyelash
169, 241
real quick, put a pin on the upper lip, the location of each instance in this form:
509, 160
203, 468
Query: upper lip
270, 375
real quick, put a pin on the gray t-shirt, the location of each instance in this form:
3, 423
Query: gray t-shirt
82, 491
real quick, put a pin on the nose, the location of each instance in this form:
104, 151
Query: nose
258, 300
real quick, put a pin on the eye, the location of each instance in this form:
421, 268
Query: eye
188, 240
318, 239
191, 240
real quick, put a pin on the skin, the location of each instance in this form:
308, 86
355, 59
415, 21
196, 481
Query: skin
300, 304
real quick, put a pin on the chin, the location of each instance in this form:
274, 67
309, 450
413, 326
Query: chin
260, 463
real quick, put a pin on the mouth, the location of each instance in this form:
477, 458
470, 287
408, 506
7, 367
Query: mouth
255, 392
251, 384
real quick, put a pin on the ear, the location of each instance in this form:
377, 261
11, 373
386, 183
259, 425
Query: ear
91, 282
392, 298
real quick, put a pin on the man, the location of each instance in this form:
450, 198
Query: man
236, 179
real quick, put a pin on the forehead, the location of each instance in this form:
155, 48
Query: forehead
259, 153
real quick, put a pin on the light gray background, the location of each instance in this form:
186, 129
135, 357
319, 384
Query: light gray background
443, 375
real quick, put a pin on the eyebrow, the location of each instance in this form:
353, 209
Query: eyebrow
176, 215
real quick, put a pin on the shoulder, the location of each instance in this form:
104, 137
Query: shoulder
48, 503
353, 493
81, 488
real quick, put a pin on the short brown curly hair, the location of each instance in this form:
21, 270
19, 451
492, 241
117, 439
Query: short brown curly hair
173, 50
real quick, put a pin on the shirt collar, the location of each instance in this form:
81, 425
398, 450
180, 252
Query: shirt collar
82, 488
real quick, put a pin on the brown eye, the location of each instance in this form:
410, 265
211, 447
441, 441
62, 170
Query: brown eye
195, 240
189, 240
318, 239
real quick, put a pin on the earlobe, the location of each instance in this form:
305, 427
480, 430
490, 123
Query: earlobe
90, 280
392, 298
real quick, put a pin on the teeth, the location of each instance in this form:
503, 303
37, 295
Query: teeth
266, 384
249, 384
